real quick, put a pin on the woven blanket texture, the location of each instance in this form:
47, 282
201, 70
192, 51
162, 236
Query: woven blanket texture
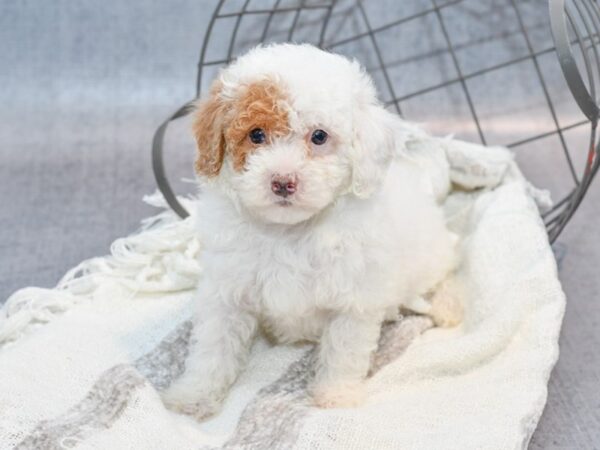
81, 365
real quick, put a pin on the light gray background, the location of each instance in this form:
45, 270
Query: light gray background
84, 84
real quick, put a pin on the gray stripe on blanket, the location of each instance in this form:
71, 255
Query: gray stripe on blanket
111, 394
271, 420
274, 418
100, 408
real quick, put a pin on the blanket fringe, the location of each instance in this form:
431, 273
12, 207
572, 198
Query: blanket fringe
161, 257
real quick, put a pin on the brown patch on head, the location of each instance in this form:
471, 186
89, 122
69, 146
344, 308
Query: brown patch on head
261, 105
208, 127
222, 126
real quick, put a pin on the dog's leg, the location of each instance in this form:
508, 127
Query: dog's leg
343, 359
446, 304
219, 346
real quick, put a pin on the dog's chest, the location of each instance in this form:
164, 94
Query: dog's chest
298, 279
301, 277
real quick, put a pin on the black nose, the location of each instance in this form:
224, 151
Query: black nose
283, 186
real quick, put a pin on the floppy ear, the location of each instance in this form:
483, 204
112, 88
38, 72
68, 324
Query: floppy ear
208, 129
377, 136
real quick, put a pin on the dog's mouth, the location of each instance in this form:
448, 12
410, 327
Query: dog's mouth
285, 211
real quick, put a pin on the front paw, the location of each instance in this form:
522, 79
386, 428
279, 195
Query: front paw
199, 406
446, 309
338, 395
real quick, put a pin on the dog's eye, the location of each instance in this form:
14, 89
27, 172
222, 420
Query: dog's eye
257, 136
319, 137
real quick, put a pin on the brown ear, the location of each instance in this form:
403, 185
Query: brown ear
208, 129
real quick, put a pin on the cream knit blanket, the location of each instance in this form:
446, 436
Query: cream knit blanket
81, 364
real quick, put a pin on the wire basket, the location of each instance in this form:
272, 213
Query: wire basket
521, 73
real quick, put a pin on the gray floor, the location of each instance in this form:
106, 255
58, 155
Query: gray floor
84, 84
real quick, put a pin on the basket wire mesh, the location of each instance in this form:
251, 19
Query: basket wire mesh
501, 72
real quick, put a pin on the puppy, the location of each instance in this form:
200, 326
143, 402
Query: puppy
315, 222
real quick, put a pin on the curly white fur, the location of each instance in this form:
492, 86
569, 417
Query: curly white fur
361, 237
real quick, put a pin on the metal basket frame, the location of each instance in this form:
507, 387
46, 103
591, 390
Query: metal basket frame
566, 20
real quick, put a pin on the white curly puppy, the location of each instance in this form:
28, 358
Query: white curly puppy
316, 225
